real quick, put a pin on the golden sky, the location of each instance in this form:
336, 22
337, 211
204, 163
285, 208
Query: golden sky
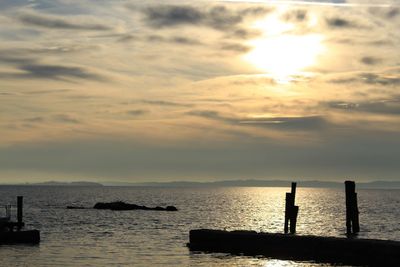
199, 90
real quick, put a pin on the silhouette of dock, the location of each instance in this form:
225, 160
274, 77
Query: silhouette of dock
352, 251
11, 232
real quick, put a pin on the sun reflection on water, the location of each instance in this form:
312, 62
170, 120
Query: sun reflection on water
277, 263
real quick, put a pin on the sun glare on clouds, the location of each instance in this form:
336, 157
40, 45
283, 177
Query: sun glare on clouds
280, 53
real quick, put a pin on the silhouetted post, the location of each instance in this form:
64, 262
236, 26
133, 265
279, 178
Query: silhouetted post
291, 211
293, 191
355, 222
352, 222
293, 219
19, 211
294, 210
287, 212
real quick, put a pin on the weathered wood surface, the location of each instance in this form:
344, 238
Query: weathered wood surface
336, 250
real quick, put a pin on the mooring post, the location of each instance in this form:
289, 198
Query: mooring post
355, 221
294, 191
352, 221
19, 211
291, 211
293, 219
287, 212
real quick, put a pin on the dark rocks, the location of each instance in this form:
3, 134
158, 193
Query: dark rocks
119, 205
75, 207
171, 208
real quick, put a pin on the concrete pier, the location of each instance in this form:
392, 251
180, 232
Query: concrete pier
351, 251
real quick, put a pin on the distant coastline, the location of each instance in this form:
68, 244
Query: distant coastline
263, 183
224, 183
55, 183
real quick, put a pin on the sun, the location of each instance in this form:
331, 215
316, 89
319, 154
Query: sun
280, 53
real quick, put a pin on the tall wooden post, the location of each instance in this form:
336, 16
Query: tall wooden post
352, 221
294, 210
293, 219
291, 211
19, 211
293, 191
287, 212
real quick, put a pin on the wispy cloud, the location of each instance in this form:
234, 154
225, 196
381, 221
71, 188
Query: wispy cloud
382, 79
217, 17
309, 123
53, 72
182, 40
385, 106
236, 47
339, 22
66, 118
296, 15
166, 103
389, 77
368, 60
137, 112
56, 22
293, 123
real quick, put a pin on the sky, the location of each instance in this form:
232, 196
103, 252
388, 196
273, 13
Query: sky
120, 90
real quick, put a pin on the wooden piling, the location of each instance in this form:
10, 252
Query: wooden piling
293, 191
19, 211
291, 211
355, 221
287, 212
293, 219
352, 221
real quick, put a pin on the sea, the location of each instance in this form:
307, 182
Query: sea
90, 237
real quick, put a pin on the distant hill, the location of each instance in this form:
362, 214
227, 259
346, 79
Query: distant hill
262, 183
228, 183
381, 184
54, 183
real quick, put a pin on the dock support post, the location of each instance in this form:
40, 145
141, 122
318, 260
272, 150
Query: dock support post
293, 219
19, 211
287, 213
352, 221
293, 191
291, 211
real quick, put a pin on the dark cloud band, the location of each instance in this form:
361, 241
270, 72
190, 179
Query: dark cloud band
217, 17
53, 22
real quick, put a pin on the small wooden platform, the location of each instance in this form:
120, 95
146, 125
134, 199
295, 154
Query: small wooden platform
352, 251
12, 233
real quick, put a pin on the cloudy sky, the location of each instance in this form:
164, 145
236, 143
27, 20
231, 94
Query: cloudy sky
123, 90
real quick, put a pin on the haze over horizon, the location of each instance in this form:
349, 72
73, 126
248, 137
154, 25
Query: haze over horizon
199, 90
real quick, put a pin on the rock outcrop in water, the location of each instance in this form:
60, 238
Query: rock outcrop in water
75, 207
119, 205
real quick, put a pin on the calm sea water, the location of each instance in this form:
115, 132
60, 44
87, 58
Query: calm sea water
150, 238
